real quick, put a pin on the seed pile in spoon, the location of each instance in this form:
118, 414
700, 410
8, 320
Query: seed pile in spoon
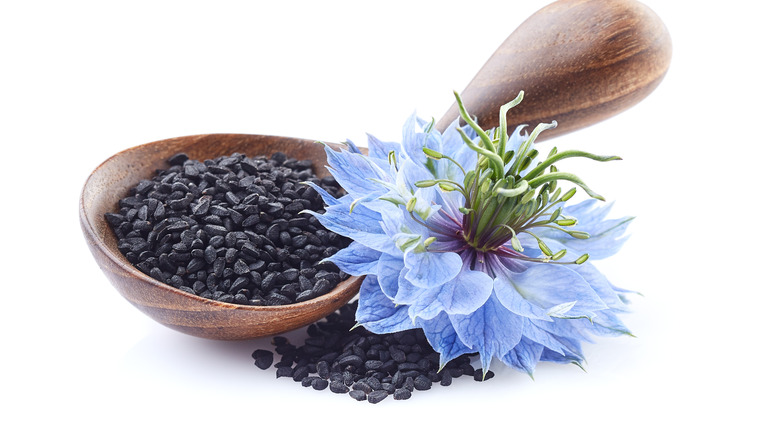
364, 365
231, 229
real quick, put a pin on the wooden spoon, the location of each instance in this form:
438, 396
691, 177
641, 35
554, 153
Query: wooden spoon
201, 317
578, 62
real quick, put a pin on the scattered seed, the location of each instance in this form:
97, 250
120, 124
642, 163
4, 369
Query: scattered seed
361, 363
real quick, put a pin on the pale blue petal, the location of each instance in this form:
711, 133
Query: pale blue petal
352, 147
524, 356
355, 173
380, 149
510, 298
443, 338
463, 295
466, 293
426, 306
361, 225
600, 284
377, 313
389, 271
414, 141
604, 324
558, 344
431, 269
606, 236
492, 330
605, 241
548, 286
408, 292
326, 197
551, 356
356, 259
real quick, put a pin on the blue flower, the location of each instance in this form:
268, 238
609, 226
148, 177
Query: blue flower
466, 235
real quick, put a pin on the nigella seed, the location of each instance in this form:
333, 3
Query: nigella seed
478, 375
357, 394
376, 396
263, 359
338, 387
402, 394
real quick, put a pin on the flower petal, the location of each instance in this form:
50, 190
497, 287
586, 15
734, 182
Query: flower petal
492, 330
508, 295
380, 149
548, 286
356, 259
443, 338
430, 269
377, 313
558, 344
466, 293
360, 224
388, 273
355, 172
524, 356
600, 284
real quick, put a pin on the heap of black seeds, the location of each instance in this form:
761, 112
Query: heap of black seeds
231, 229
367, 366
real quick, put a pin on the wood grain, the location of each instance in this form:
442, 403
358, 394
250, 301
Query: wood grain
578, 62
179, 310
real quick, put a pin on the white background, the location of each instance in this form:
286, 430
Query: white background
80, 81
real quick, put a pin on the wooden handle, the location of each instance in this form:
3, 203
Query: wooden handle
578, 62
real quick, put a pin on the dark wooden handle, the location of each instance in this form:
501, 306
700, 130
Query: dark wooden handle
578, 62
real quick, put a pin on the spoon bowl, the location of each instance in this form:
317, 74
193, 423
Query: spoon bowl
172, 307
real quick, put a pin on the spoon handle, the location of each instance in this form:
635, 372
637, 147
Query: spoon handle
578, 62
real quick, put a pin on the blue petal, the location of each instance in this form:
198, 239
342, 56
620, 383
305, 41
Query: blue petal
389, 271
606, 236
466, 293
355, 173
361, 225
356, 259
380, 149
560, 291
524, 356
377, 313
463, 295
431, 269
600, 284
443, 338
604, 323
510, 298
492, 330
558, 344
551, 356
352, 148
414, 141
326, 197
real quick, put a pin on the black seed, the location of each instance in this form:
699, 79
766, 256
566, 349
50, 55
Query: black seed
350, 360
319, 384
338, 387
284, 372
446, 378
376, 396
300, 373
478, 375
357, 394
422, 383
263, 359
240, 267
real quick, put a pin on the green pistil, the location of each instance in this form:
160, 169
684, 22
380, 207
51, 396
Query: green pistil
499, 202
